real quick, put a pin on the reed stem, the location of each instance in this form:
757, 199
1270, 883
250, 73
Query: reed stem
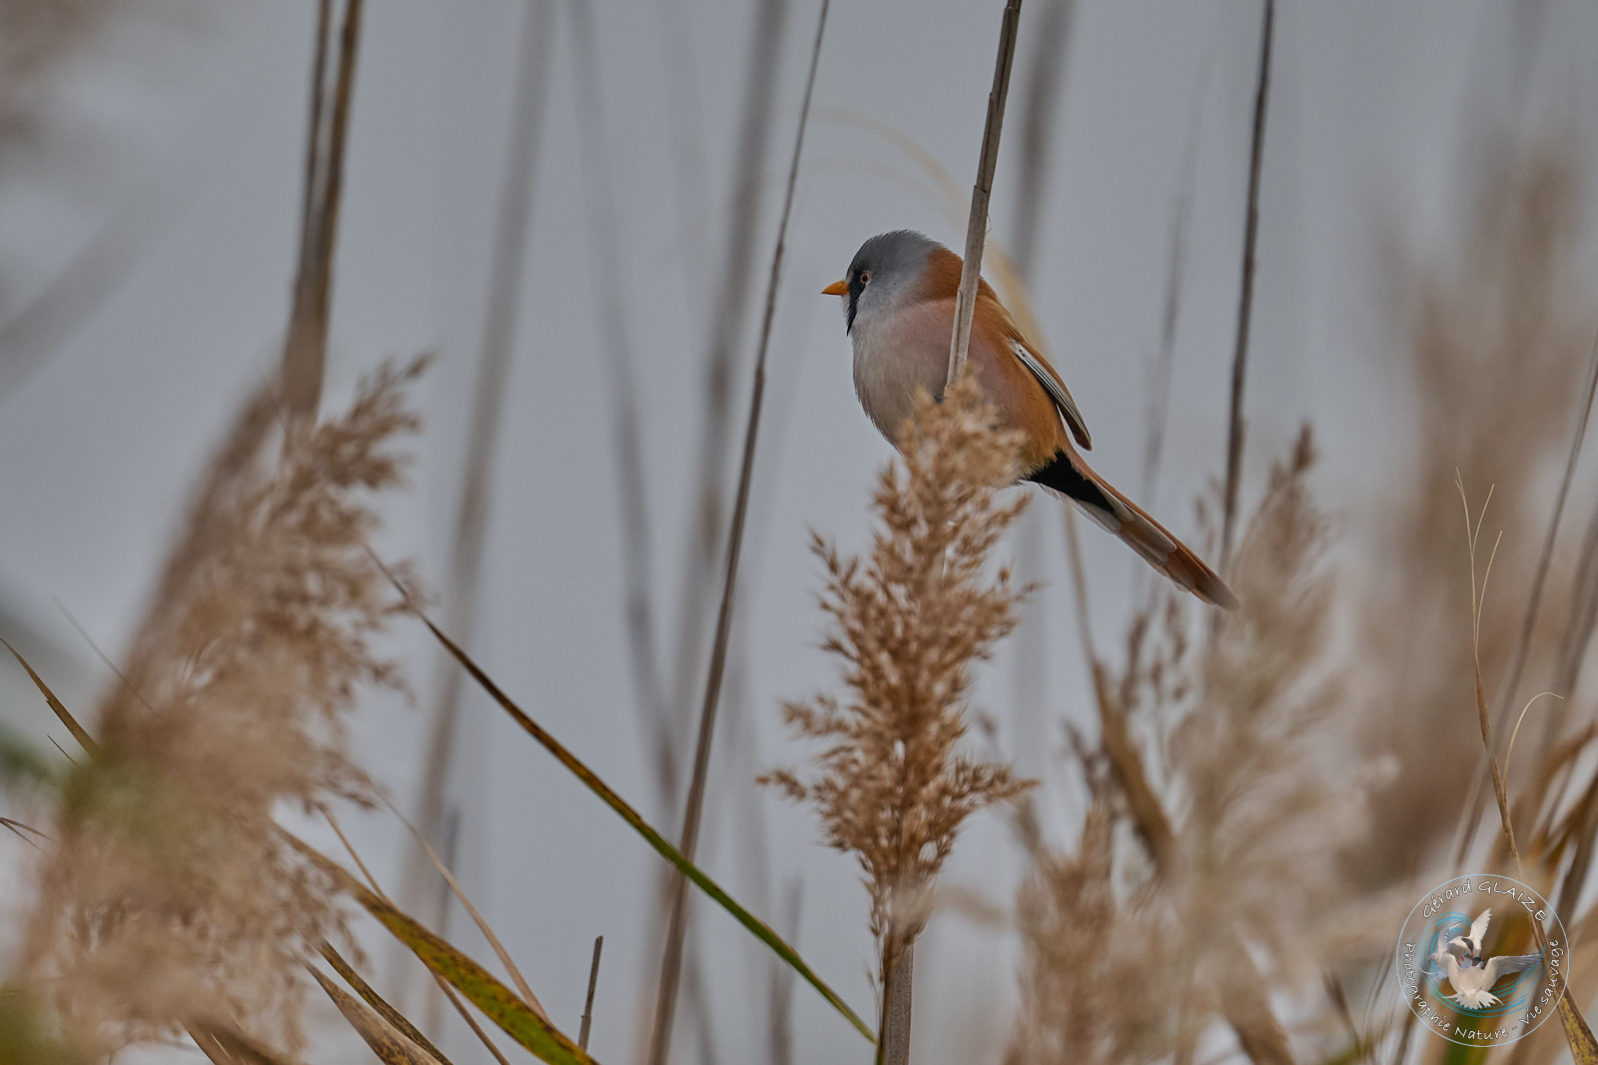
1245, 301
976, 229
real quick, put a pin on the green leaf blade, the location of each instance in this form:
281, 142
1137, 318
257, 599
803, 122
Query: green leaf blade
662, 846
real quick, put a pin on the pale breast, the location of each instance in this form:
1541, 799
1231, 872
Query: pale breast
897, 353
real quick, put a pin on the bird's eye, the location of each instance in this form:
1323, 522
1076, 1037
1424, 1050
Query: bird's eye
865, 277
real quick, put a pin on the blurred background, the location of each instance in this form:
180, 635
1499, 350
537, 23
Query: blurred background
1421, 160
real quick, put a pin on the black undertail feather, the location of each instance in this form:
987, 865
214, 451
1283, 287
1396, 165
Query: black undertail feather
1063, 477
1064, 474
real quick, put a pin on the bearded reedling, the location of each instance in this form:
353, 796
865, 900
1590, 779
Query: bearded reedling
899, 306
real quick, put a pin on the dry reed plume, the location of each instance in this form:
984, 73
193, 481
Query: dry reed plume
169, 900
1215, 818
908, 621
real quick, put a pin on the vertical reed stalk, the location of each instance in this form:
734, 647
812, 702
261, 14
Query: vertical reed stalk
314, 125
1245, 301
671, 960
976, 230
305, 348
893, 1044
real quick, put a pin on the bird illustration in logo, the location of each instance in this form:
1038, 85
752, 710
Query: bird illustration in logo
1472, 976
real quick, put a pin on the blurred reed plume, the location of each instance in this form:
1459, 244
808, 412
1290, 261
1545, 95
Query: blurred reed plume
34, 37
1212, 836
1496, 348
908, 621
169, 900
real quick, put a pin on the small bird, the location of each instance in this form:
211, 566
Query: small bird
899, 297
1472, 977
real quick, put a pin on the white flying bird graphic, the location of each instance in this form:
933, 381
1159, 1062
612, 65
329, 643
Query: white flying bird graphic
1472, 977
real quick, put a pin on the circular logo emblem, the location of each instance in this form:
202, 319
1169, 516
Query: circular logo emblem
1482, 960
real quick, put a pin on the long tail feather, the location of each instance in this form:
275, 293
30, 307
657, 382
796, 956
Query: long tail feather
1071, 477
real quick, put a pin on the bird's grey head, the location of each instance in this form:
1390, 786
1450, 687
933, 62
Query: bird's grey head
885, 269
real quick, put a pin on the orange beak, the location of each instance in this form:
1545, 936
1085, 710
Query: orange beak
837, 288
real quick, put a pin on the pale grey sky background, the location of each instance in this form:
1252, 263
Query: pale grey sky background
182, 123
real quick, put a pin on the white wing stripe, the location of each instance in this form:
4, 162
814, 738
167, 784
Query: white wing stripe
1061, 397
